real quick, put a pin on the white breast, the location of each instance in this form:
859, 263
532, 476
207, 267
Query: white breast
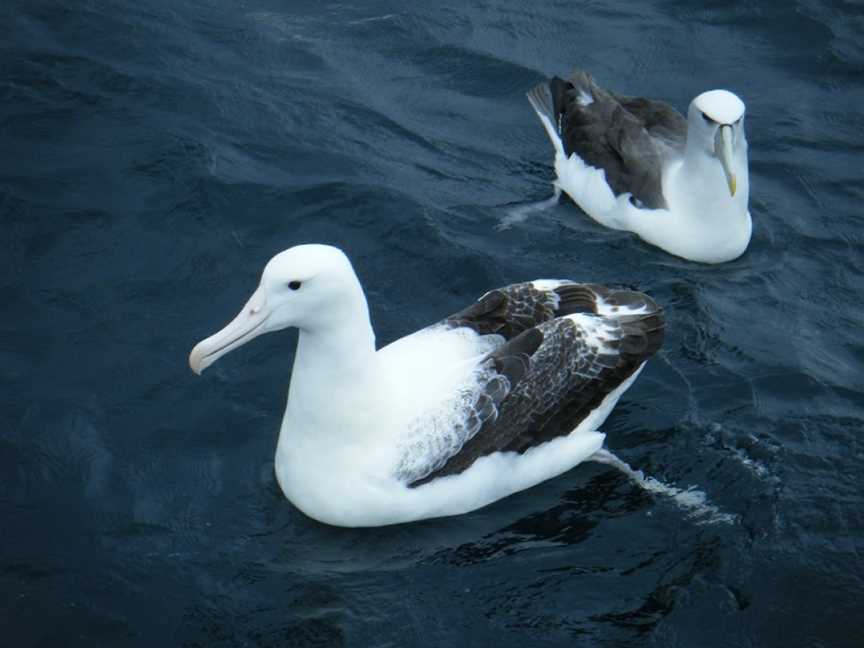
335, 461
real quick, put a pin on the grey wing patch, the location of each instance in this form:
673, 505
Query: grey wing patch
663, 123
629, 138
579, 360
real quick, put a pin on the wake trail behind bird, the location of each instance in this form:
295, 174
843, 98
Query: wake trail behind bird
690, 500
520, 213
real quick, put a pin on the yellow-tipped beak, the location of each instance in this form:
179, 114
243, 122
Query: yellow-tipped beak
723, 150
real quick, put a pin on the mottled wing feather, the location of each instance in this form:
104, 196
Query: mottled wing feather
585, 378
560, 370
508, 311
628, 137
444, 436
513, 312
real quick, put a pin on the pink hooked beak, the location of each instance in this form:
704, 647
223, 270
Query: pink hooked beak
248, 324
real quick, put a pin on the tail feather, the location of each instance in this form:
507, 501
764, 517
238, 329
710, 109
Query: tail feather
540, 97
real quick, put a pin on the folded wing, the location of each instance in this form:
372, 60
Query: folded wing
565, 347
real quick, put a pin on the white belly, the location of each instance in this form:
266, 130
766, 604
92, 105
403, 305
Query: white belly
354, 486
713, 229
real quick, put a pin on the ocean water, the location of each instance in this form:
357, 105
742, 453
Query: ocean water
155, 154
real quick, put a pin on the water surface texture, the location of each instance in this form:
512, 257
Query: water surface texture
155, 154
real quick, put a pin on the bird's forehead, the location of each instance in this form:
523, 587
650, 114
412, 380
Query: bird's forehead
282, 263
722, 106
305, 260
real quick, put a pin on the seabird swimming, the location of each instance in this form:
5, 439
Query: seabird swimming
502, 395
636, 164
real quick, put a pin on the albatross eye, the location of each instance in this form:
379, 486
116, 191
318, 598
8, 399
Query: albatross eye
294, 285
707, 119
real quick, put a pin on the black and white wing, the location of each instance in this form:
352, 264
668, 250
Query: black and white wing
627, 137
566, 347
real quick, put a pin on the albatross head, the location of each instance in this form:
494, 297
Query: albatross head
308, 286
716, 124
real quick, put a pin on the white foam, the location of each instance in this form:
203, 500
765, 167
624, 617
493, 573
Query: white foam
694, 502
521, 213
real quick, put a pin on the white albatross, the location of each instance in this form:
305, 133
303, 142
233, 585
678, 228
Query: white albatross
492, 400
636, 164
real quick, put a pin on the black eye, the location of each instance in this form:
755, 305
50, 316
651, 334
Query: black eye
294, 285
707, 119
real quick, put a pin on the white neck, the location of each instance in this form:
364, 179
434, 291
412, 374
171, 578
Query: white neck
329, 357
699, 185
332, 359
325, 427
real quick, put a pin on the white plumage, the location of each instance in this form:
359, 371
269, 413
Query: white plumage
450, 418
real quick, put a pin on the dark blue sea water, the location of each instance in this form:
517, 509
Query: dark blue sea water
155, 154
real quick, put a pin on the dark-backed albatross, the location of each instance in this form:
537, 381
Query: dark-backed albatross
502, 395
636, 164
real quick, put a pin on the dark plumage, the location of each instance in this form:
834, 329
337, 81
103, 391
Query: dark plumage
556, 371
627, 137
